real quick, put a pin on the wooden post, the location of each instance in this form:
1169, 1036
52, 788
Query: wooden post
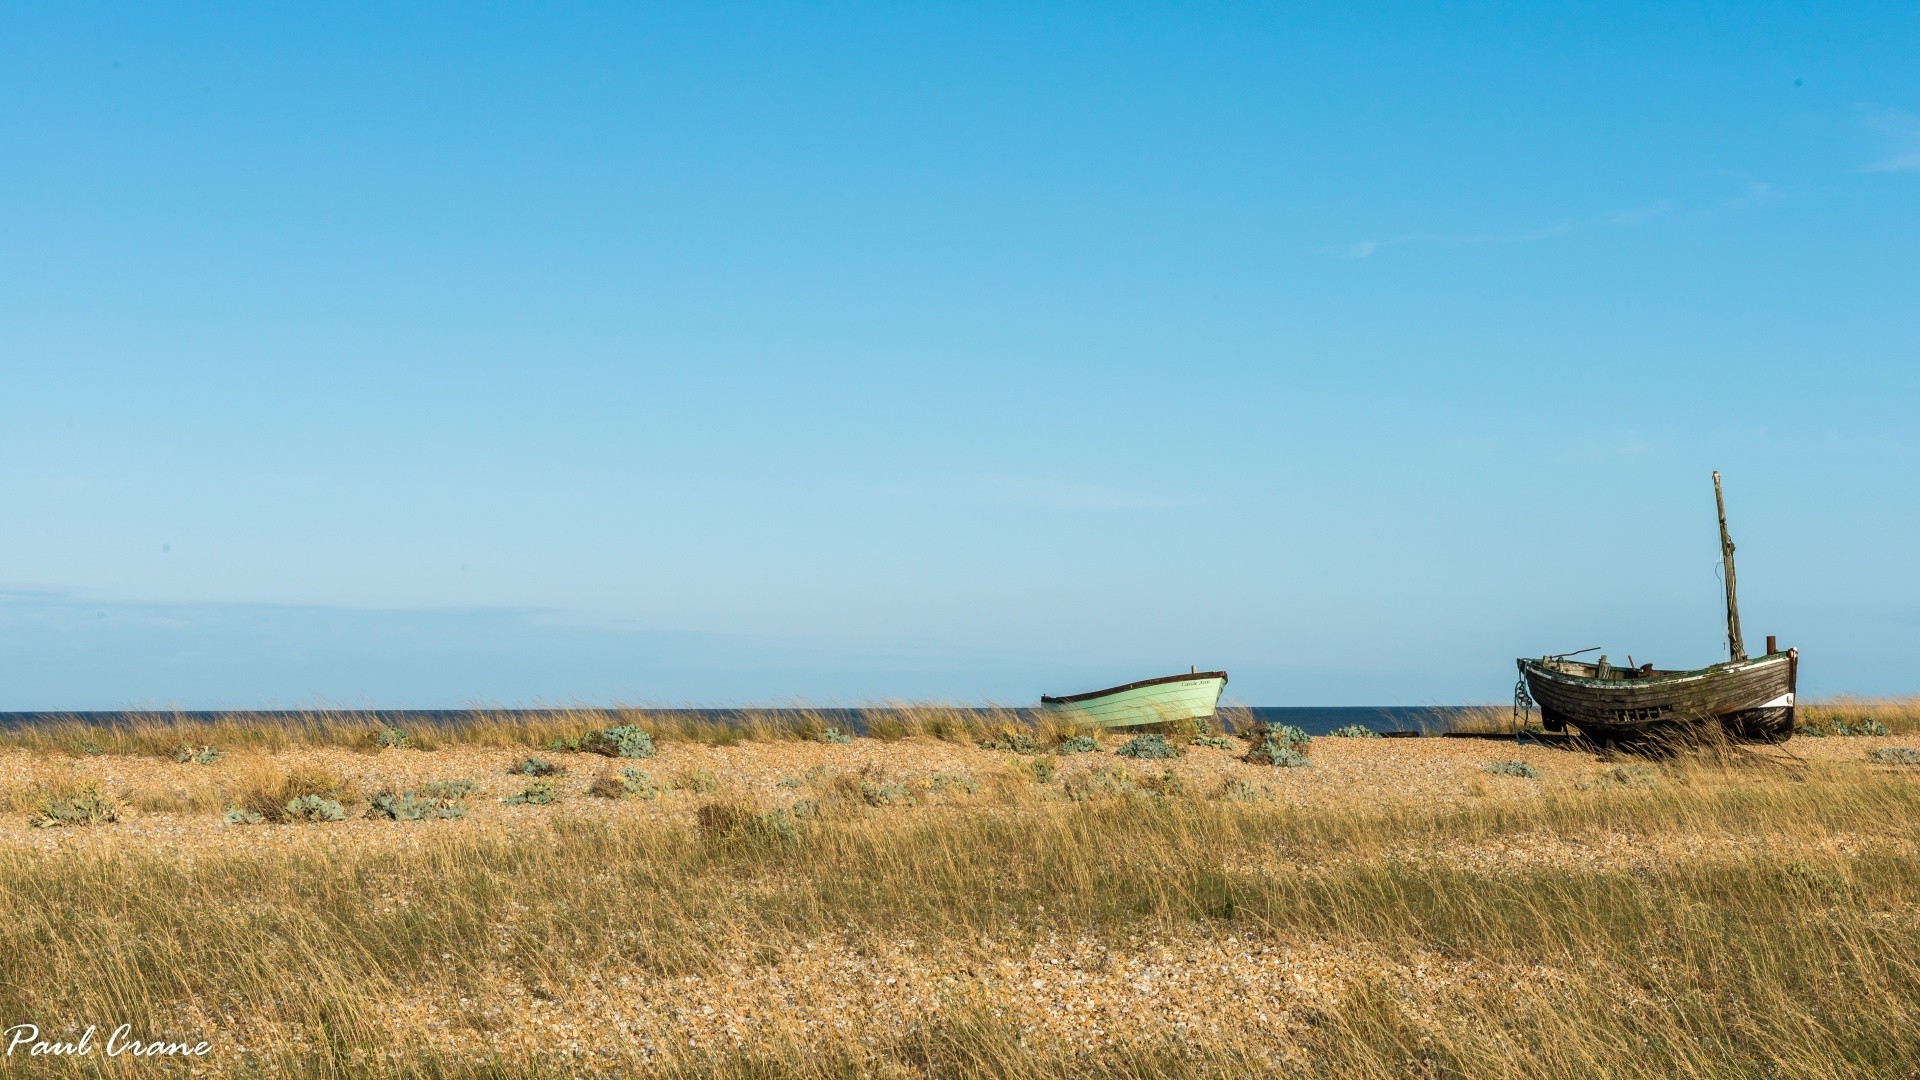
1735, 646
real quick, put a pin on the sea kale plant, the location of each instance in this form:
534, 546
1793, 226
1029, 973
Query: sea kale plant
391, 738
86, 806
1283, 747
1148, 746
538, 792
197, 755
1011, 739
628, 783
441, 799
537, 766
835, 737
1354, 731
1215, 742
625, 741
314, 808
1513, 768
1895, 755
1078, 744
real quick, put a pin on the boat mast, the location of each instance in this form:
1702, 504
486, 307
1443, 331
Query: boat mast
1735, 646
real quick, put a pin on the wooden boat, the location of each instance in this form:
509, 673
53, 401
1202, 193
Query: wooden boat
1751, 698
1170, 699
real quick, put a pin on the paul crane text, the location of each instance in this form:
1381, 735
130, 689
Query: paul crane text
25, 1040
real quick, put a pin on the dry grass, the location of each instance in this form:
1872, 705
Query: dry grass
1744, 913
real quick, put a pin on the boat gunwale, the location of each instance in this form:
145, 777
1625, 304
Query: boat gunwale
1190, 676
1533, 666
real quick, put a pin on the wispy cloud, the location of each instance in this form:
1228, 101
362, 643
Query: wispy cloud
1750, 191
1639, 215
1901, 133
1366, 248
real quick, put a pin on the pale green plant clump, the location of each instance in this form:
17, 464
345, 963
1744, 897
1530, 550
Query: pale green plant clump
628, 783
624, 741
1841, 726
1282, 747
314, 808
1215, 742
1148, 747
1237, 790
438, 800
953, 782
537, 766
1895, 755
538, 792
1012, 740
1078, 744
1353, 731
833, 736
85, 806
391, 738
1513, 768
197, 755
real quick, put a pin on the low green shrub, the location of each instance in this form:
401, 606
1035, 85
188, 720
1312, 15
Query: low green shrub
628, 783
1513, 768
1216, 742
1895, 755
1107, 780
1354, 731
538, 792
1012, 740
537, 766
1042, 769
1078, 744
625, 741
1148, 747
240, 815
884, 792
197, 755
84, 806
314, 808
391, 738
1283, 747
1167, 785
834, 736
956, 782
445, 799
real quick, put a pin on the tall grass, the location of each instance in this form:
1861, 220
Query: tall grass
1787, 954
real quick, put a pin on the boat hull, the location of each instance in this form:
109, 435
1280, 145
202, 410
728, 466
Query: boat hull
1170, 700
1751, 699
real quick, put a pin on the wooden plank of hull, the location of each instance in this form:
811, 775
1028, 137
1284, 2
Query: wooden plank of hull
1158, 701
1730, 690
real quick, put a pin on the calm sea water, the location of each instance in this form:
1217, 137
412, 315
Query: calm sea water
1314, 720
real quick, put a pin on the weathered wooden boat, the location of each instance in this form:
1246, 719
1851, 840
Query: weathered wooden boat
1166, 700
1752, 699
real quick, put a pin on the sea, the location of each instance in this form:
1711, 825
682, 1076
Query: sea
1313, 719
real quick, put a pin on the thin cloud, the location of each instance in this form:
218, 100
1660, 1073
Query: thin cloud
1366, 248
1902, 135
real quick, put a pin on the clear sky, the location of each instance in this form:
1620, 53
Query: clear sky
417, 356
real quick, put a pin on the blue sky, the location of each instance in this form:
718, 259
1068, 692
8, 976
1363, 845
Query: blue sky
753, 354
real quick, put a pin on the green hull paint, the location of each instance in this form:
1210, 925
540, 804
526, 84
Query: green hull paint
1159, 703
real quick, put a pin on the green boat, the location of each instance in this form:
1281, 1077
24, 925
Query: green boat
1166, 700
